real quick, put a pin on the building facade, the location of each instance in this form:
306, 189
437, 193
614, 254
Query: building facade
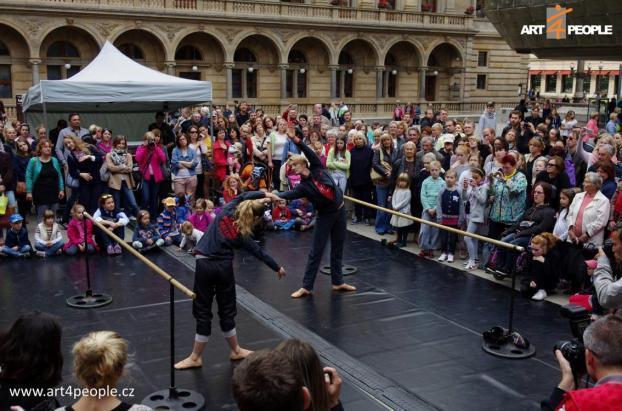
369, 53
574, 79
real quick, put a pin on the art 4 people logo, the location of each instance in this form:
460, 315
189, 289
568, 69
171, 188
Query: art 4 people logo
557, 27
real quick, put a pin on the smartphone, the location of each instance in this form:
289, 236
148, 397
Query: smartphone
328, 377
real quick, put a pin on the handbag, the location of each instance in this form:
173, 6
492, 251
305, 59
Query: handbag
206, 165
104, 174
138, 174
376, 177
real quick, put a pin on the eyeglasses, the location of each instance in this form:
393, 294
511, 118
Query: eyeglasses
106, 196
551, 165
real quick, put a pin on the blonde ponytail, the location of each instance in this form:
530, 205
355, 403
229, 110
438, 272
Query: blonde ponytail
247, 214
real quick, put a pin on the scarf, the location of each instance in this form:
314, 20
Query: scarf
507, 178
119, 157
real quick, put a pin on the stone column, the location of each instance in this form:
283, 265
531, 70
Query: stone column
422, 74
379, 81
229, 78
170, 67
578, 91
36, 77
283, 68
333, 81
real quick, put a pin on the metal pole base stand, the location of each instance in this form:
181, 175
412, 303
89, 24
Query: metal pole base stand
508, 350
174, 399
89, 300
346, 269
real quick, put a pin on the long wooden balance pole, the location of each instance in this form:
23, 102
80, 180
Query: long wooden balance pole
439, 226
142, 258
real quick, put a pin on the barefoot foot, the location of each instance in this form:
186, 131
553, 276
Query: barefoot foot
188, 363
301, 293
239, 354
344, 287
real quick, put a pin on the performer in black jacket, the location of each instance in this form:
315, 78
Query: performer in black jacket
318, 186
232, 228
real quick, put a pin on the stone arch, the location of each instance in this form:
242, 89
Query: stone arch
419, 49
265, 42
212, 50
366, 56
9, 33
304, 37
214, 36
400, 60
153, 48
81, 34
448, 45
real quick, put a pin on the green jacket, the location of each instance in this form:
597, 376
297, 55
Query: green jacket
34, 168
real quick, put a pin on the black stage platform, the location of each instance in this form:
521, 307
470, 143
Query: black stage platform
408, 339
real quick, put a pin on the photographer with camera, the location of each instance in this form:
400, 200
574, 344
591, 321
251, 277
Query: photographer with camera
609, 289
150, 158
602, 360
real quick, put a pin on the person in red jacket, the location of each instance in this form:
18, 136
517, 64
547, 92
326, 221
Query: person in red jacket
77, 241
603, 360
220, 155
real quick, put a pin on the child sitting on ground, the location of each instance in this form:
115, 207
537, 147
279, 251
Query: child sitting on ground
167, 223
304, 214
112, 218
146, 234
48, 236
16, 242
200, 219
400, 201
76, 240
231, 187
282, 217
190, 237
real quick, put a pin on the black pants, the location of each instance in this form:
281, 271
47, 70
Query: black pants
448, 241
363, 193
402, 233
214, 278
333, 225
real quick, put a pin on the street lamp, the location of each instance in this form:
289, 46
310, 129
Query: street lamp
394, 72
350, 71
195, 68
67, 66
251, 69
302, 70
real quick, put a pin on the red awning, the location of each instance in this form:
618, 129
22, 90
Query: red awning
534, 72
605, 72
564, 72
550, 71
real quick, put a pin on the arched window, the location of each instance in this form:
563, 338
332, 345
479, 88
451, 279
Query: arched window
63, 49
345, 75
296, 84
132, 51
5, 74
389, 79
244, 75
4, 51
188, 52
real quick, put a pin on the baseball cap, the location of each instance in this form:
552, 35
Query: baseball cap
169, 202
15, 218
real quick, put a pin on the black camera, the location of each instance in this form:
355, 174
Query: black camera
151, 143
573, 350
590, 250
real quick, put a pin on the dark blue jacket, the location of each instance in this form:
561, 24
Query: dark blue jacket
360, 166
308, 188
19, 239
222, 235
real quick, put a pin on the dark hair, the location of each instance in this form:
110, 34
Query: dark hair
179, 136
608, 167
40, 145
268, 381
159, 114
546, 188
517, 112
30, 352
504, 143
71, 115
569, 193
303, 116
308, 363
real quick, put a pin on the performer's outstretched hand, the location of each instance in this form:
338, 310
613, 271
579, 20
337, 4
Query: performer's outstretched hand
273, 197
291, 133
281, 273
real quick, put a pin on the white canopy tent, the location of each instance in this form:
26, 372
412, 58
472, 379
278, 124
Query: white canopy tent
113, 91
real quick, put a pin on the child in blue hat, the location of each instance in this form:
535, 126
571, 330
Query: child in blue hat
16, 243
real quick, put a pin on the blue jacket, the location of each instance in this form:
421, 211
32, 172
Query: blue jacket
178, 156
34, 168
289, 147
19, 239
143, 234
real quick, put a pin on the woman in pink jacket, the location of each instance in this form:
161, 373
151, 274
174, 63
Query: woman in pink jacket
76, 241
150, 159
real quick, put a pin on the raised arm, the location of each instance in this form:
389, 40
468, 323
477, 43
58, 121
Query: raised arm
314, 160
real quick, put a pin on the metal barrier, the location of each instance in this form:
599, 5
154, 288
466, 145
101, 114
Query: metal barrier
439, 226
